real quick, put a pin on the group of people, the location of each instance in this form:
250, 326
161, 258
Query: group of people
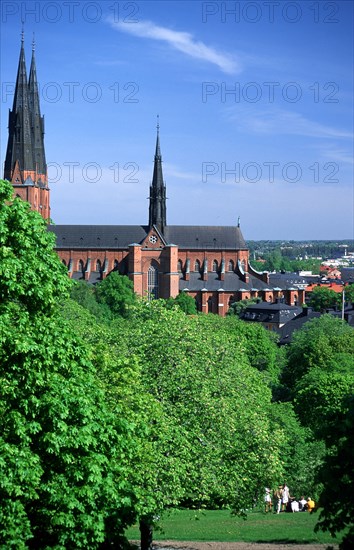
281, 501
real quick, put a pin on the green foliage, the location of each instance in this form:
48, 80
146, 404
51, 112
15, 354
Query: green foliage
301, 452
319, 343
67, 471
117, 292
336, 474
237, 308
215, 446
84, 294
185, 302
322, 298
349, 293
31, 273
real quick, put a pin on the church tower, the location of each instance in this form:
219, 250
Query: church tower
157, 205
25, 164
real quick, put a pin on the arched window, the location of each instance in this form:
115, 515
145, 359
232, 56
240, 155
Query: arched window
98, 265
153, 283
197, 266
210, 305
197, 304
64, 262
81, 266
115, 265
231, 266
243, 265
215, 266
179, 266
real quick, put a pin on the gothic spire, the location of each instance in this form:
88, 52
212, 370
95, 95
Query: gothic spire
19, 147
37, 122
157, 207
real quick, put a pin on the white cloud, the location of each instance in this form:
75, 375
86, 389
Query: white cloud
181, 41
279, 121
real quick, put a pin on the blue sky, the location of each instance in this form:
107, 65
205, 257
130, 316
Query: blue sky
254, 102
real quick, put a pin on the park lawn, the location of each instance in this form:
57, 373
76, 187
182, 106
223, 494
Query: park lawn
220, 525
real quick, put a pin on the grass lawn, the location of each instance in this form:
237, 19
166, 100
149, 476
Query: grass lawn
220, 525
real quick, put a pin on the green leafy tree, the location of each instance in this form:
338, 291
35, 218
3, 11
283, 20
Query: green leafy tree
322, 298
84, 294
117, 292
320, 343
237, 308
337, 476
349, 293
302, 453
65, 474
219, 448
185, 302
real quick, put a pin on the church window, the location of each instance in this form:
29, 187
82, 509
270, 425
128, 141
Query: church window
197, 266
64, 262
153, 283
81, 266
215, 265
210, 305
98, 265
231, 266
153, 239
116, 265
179, 266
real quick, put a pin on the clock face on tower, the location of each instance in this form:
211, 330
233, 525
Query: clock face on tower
153, 239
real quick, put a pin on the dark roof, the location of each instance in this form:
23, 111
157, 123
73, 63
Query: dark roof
286, 332
98, 236
231, 283
284, 280
265, 312
347, 274
121, 236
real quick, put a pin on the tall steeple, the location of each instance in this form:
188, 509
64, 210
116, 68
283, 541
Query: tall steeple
37, 122
157, 206
25, 165
19, 147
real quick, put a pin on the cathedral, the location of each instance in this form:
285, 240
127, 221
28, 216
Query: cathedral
210, 263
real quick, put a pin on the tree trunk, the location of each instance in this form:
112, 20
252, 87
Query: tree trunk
146, 530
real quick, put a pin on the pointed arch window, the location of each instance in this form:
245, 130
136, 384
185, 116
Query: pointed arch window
179, 266
98, 265
81, 266
197, 266
153, 283
231, 266
215, 266
210, 305
116, 265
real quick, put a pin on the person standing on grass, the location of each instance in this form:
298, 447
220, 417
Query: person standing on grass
285, 497
278, 498
267, 500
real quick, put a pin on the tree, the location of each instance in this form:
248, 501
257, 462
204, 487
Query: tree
185, 302
336, 475
237, 308
117, 292
84, 294
318, 344
322, 298
299, 444
65, 453
218, 449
